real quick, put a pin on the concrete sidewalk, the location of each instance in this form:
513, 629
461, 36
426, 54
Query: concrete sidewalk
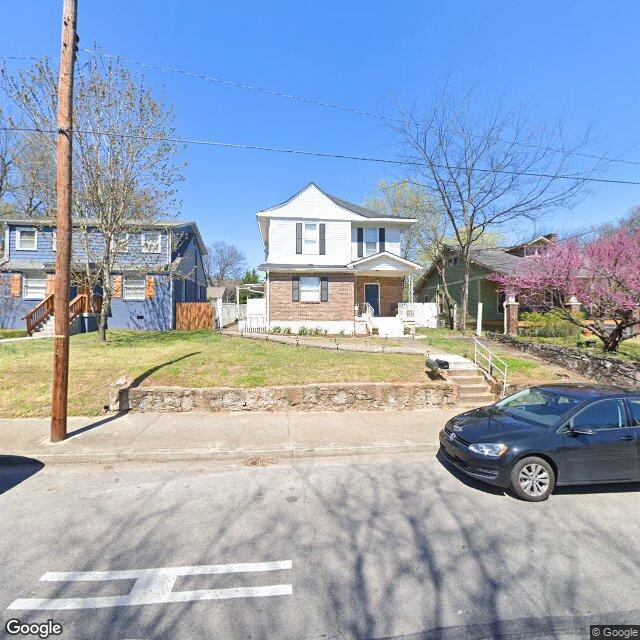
198, 436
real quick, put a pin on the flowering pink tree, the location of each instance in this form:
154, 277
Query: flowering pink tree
603, 275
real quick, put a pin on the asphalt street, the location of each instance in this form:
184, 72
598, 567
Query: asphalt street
393, 546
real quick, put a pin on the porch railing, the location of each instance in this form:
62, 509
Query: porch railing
80, 304
489, 362
39, 314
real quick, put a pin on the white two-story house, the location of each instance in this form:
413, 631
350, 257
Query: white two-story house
333, 265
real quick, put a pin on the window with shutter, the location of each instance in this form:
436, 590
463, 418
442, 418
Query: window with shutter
360, 239
381, 239
323, 239
324, 289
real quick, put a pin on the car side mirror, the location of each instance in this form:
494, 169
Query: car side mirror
583, 431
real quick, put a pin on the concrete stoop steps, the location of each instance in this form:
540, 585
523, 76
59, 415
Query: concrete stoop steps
474, 390
47, 328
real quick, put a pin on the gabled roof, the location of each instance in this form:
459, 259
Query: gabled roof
495, 259
384, 254
344, 204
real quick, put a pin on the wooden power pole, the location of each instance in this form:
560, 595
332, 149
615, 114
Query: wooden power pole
63, 223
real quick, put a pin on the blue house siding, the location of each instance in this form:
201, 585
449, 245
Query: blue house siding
153, 314
177, 269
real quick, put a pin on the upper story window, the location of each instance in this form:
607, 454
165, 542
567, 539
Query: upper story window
120, 243
370, 241
453, 262
54, 240
26, 239
151, 242
310, 243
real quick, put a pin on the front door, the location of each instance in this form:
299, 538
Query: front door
372, 296
611, 453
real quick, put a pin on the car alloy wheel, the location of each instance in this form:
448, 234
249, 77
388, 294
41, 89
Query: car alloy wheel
534, 480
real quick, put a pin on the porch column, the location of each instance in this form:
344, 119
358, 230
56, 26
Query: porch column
511, 315
573, 305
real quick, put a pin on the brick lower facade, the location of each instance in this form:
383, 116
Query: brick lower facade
390, 292
340, 304
345, 289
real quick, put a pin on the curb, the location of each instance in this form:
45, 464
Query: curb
200, 455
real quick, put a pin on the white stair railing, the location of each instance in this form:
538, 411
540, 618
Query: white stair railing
369, 310
489, 362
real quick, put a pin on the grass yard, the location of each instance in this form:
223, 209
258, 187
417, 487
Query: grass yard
628, 350
522, 369
192, 359
12, 333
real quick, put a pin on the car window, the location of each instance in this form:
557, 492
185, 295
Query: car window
634, 408
604, 414
537, 405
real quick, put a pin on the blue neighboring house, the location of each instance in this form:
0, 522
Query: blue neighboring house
156, 266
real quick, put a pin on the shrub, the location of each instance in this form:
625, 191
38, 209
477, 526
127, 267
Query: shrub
287, 331
276, 330
303, 331
547, 325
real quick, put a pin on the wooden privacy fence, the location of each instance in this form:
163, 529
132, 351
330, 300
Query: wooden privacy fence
194, 315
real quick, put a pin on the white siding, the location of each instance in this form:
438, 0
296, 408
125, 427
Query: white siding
312, 204
282, 243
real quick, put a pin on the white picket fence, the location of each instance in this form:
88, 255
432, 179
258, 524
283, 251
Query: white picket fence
424, 314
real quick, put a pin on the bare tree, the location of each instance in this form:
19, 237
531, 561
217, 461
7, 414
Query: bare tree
225, 262
489, 172
125, 171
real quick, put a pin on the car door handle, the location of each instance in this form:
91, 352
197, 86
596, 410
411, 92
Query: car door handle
627, 437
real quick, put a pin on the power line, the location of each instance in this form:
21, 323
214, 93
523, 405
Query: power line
317, 154
331, 105
317, 102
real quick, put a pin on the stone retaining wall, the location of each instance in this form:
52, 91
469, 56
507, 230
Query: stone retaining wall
600, 368
312, 397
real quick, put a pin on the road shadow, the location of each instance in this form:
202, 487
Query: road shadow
95, 425
16, 469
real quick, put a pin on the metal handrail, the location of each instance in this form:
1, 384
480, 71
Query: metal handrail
369, 309
484, 358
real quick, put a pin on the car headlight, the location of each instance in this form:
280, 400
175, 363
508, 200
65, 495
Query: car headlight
489, 449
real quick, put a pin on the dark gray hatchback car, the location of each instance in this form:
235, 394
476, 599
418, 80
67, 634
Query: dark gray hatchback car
548, 435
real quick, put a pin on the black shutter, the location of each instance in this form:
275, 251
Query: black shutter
360, 236
295, 289
324, 289
323, 244
298, 237
381, 235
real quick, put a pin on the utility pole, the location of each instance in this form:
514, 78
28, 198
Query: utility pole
60, 385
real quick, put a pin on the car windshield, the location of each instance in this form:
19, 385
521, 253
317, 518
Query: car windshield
538, 406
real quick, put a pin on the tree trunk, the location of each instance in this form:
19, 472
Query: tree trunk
447, 294
612, 340
464, 292
106, 304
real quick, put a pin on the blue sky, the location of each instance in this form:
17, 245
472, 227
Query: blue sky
575, 60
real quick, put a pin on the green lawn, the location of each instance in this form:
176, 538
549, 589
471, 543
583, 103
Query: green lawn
521, 369
12, 333
192, 359
628, 350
